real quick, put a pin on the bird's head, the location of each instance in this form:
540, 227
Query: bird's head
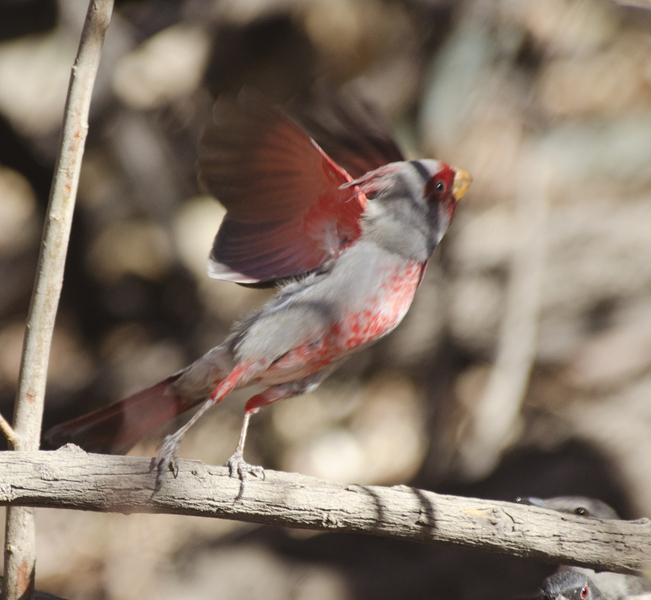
411, 204
573, 505
570, 585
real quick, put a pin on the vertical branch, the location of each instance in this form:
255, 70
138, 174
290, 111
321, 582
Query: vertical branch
19, 535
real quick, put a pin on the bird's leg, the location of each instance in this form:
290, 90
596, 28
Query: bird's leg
237, 465
169, 450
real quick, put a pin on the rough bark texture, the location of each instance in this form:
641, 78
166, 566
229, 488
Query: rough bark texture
70, 478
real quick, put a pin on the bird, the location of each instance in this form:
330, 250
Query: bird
570, 586
613, 586
577, 505
345, 237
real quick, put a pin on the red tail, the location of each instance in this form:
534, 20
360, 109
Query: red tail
117, 427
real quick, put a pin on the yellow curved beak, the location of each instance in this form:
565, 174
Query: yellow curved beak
462, 181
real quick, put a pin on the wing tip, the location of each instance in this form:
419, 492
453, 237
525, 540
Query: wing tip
217, 270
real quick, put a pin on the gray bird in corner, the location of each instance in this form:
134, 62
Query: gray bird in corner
574, 505
611, 586
570, 585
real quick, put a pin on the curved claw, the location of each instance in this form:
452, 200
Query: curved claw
167, 458
239, 468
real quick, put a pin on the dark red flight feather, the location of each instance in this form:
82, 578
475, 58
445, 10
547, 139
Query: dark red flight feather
287, 213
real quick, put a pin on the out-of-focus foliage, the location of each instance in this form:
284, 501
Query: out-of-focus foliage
482, 84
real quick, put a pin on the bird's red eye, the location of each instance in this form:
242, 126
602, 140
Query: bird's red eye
438, 188
585, 591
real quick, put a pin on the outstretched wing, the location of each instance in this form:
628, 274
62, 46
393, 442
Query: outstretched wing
287, 213
348, 127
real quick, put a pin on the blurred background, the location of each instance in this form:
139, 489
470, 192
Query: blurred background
524, 365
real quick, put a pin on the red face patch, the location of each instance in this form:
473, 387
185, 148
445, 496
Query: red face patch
439, 188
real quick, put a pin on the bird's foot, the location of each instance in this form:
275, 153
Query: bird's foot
166, 458
239, 468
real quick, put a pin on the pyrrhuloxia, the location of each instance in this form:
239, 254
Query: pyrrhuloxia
347, 243
612, 586
570, 586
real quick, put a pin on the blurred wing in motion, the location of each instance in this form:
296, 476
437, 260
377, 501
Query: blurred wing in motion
286, 211
349, 128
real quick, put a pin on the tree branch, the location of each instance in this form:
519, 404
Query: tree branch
70, 478
10, 434
20, 552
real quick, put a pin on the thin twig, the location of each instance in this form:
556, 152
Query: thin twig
69, 478
10, 434
20, 554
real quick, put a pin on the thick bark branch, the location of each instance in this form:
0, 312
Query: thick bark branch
70, 478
